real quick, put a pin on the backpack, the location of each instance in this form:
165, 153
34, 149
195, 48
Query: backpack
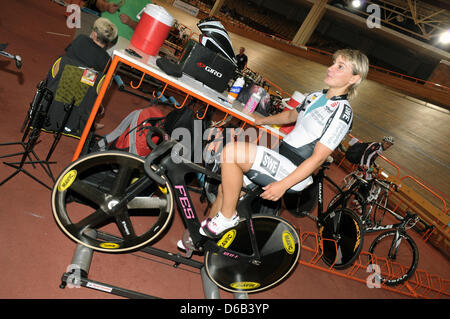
186, 118
355, 152
131, 134
183, 117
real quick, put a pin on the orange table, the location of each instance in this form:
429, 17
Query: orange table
186, 84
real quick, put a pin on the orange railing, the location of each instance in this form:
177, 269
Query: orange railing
400, 178
421, 285
429, 189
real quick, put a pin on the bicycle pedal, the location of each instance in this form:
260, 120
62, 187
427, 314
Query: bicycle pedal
187, 244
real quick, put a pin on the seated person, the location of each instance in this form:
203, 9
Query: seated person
91, 51
374, 150
368, 158
88, 52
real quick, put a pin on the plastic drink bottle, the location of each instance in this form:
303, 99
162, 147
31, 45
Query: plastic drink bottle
235, 89
253, 101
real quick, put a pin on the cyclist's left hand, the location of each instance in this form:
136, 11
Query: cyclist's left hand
274, 191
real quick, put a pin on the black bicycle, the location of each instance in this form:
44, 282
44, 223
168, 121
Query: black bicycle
340, 229
365, 197
394, 246
132, 198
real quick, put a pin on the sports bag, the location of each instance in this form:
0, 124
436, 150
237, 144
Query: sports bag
355, 152
131, 134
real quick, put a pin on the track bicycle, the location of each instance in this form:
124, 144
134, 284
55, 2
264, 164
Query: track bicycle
133, 198
340, 229
394, 243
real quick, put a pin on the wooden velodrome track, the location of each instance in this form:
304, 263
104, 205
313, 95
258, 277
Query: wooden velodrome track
421, 130
35, 252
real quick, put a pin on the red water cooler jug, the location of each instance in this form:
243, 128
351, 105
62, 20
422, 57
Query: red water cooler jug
152, 29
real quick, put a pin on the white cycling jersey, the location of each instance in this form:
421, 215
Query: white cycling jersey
320, 119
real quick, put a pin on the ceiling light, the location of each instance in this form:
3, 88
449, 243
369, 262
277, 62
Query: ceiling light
356, 3
445, 37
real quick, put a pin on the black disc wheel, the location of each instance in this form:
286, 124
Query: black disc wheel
401, 253
111, 193
342, 238
279, 247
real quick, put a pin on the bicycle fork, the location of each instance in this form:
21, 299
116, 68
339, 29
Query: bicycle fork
257, 256
244, 208
393, 250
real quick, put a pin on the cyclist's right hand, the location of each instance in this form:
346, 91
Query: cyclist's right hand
273, 191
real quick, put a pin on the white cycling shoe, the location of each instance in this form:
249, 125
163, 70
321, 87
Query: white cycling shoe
214, 227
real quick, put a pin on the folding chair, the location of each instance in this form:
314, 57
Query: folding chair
61, 105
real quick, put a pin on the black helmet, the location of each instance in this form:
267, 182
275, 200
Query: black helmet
215, 37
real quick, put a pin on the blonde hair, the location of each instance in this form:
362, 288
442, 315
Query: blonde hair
360, 66
106, 31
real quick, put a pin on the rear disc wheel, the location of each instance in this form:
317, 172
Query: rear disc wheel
279, 246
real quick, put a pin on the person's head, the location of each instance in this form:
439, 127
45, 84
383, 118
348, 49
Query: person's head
387, 142
241, 50
349, 69
104, 32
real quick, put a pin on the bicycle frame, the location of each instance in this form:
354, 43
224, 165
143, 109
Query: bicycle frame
399, 226
175, 167
371, 203
320, 176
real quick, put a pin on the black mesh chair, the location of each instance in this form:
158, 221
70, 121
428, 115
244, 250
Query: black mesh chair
61, 106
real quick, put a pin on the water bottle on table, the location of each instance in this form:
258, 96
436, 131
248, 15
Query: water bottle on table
253, 101
236, 88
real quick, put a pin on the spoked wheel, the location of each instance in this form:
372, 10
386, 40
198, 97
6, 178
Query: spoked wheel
279, 246
342, 238
110, 192
401, 252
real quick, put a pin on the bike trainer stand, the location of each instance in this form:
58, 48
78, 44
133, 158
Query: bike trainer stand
33, 124
78, 273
